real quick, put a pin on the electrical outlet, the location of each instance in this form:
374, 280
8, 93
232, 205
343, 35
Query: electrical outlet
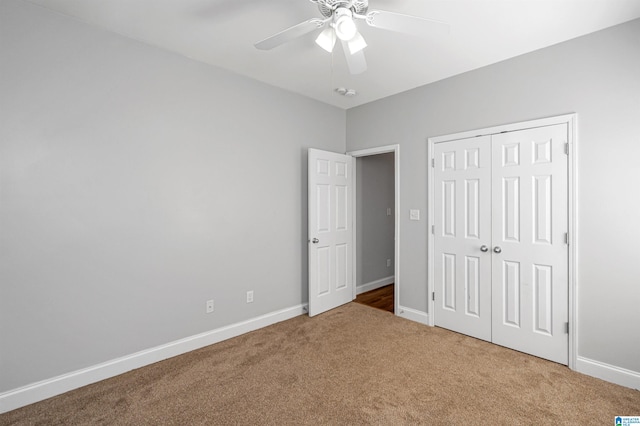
389, 211
209, 306
250, 296
388, 262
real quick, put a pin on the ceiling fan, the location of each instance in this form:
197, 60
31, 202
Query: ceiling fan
339, 19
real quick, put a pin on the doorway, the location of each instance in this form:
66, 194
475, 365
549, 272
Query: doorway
376, 223
375, 226
332, 226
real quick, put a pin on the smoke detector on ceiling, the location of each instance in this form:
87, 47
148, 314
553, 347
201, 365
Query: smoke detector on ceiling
349, 93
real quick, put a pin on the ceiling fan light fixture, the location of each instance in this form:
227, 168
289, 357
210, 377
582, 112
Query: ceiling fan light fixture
326, 39
339, 22
357, 43
344, 25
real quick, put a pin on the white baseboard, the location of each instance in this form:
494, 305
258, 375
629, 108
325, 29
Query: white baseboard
413, 315
610, 373
39, 391
363, 288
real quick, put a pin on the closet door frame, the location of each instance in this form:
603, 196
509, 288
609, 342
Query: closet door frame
571, 121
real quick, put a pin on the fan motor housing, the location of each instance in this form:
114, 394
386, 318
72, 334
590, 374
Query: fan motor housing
327, 7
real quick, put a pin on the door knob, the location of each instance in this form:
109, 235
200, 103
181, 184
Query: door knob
497, 249
484, 249
315, 241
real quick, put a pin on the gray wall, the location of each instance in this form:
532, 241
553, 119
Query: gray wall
596, 76
134, 185
375, 230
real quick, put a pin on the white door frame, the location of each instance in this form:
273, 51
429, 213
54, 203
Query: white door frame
396, 260
572, 123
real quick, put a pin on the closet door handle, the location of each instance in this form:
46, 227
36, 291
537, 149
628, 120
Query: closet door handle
497, 249
484, 249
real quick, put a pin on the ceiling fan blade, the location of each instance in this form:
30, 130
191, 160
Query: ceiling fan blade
406, 23
290, 34
357, 43
356, 62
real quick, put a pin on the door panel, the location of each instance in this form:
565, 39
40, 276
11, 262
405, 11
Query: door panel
472, 285
330, 234
510, 209
462, 226
472, 208
449, 281
530, 273
510, 291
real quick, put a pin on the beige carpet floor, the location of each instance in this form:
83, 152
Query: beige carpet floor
353, 365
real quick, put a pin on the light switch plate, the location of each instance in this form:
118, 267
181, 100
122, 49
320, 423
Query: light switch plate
414, 214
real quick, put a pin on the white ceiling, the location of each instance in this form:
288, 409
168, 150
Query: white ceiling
222, 33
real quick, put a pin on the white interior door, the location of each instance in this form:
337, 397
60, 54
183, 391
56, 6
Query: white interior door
463, 236
330, 234
530, 255
507, 194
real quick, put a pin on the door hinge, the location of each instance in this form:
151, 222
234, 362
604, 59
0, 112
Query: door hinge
566, 327
433, 162
566, 148
433, 229
566, 238
433, 295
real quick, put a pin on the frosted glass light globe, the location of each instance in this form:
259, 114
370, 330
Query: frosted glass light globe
345, 28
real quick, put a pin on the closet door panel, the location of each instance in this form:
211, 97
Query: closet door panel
530, 257
462, 181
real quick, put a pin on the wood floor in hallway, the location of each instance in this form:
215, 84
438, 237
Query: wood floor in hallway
381, 298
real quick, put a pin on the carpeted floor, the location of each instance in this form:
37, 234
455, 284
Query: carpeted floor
352, 365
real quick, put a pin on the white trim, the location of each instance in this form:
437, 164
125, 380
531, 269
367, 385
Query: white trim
373, 285
549, 121
354, 226
373, 151
571, 121
572, 181
35, 392
430, 236
413, 315
610, 373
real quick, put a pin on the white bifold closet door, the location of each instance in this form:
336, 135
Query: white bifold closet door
501, 259
463, 227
